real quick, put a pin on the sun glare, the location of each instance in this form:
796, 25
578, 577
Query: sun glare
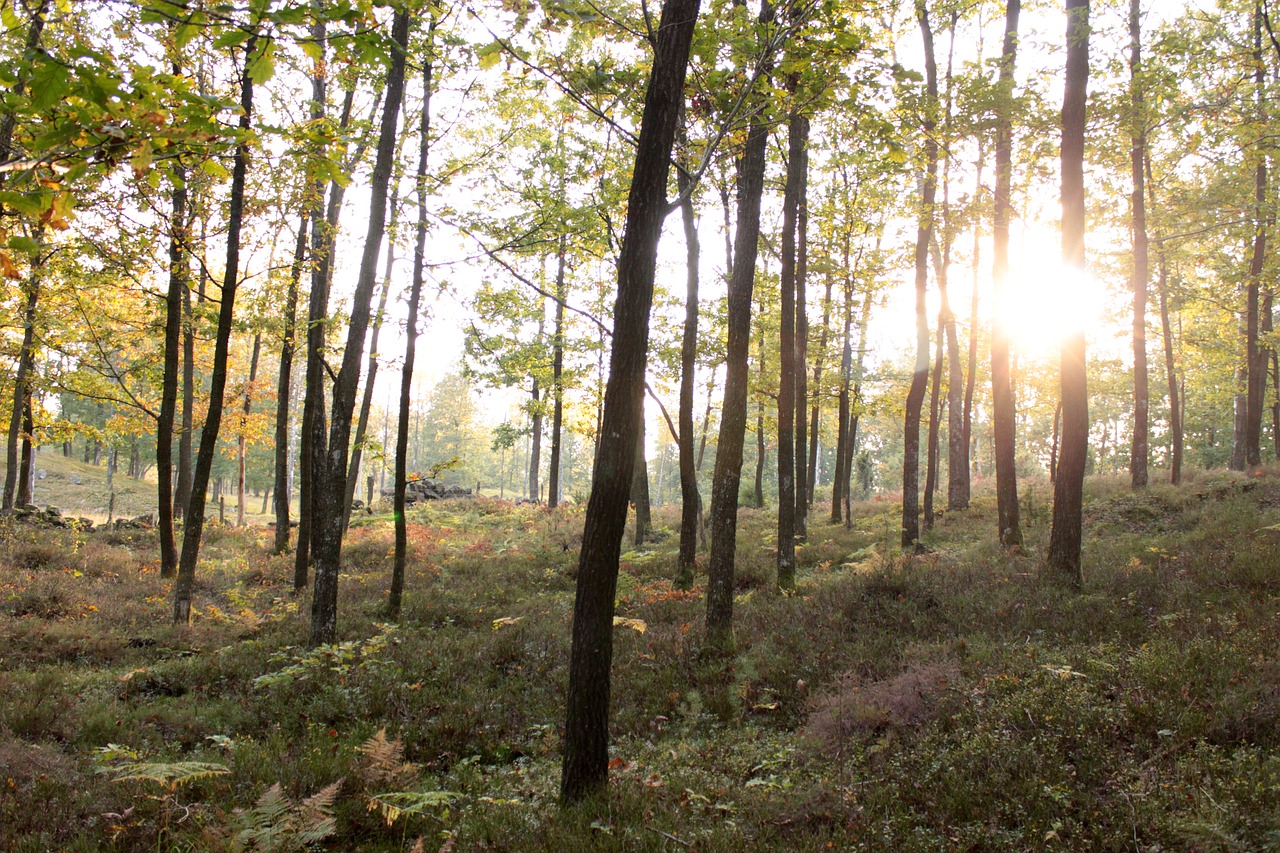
1045, 301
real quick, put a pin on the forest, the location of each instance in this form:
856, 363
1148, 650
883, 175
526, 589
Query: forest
837, 424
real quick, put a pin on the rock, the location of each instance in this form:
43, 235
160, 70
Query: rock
53, 512
41, 474
75, 481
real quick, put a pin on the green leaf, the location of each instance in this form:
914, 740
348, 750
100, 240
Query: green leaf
262, 66
24, 244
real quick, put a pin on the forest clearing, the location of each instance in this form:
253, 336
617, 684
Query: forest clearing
951, 700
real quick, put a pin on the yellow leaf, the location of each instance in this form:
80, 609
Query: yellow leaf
635, 624
505, 620
8, 268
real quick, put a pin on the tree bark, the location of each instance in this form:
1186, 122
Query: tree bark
733, 419
169, 386
924, 230
193, 522
931, 452
788, 347
241, 442
690, 500
284, 390
13, 493
371, 371
1068, 493
1256, 351
586, 732
1138, 451
396, 596
640, 489
803, 472
971, 377
557, 380
1003, 413
330, 486
815, 409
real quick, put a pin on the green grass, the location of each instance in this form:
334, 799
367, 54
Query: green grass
945, 701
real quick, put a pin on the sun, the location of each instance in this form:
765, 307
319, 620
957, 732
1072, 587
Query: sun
1045, 301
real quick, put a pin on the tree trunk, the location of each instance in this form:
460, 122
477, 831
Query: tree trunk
788, 493
284, 390
1256, 351
169, 387
329, 487
640, 489
971, 377
814, 410
586, 731
193, 522
186, 436
1003, 412
396, 596
690, 500
7, 124
841, 481
803, 472
924, 230
240, 438
13, 492
931, 451
371, 371
1068, 492
1138, 451
733, 418
557, 380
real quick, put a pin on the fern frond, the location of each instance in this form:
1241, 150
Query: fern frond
170, 774
393, 804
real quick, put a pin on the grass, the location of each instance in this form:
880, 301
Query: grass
944, 701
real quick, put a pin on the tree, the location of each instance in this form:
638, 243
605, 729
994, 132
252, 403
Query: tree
1141, 272
1003, 416
924, 231
330, 485
586, 743
1065, 536
193, 521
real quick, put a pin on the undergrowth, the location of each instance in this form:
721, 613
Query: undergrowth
950, 700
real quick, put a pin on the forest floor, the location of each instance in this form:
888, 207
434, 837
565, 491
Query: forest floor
948, 701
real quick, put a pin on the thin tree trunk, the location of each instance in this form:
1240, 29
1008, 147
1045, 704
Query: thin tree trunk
193, 522
815, 409
13, 493
284, 390
1256, 357
186, 436
931, 450
241, 442
787, 349
1138, 451
733, 419
1003, 412
371, 371
690, 500
924, 230
1065, 537
169, 386
803, 472
971, 377
586, 731
640, 493
396, 596
841, 481
329, 488
557, 383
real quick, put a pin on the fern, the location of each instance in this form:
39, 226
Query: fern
277, 823
383, 765
396, 803
171, 774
